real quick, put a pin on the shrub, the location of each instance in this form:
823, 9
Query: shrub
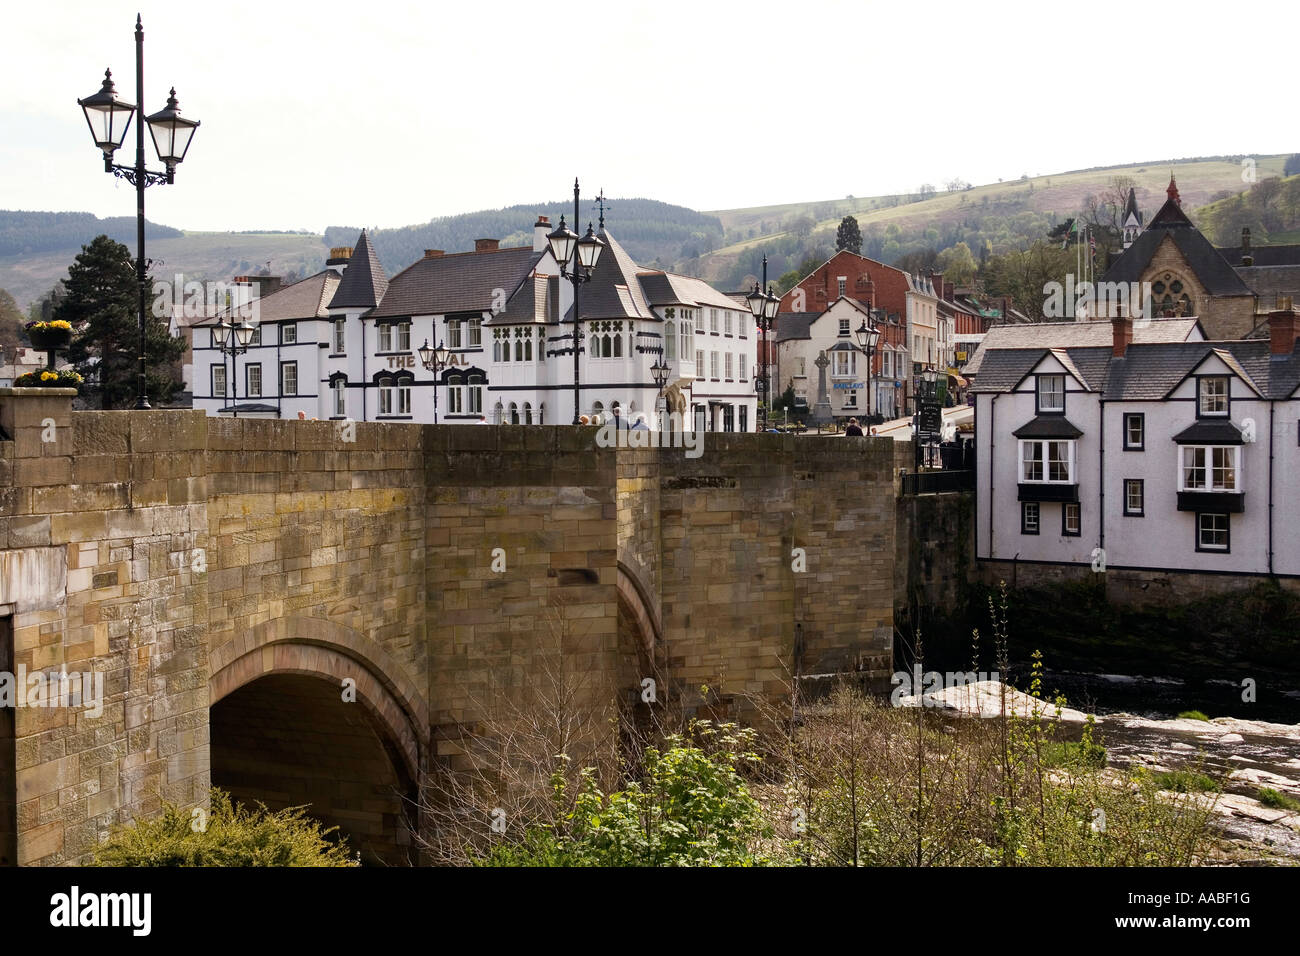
689, 808
1277, 799
1185, 781
234, 836
1192, 715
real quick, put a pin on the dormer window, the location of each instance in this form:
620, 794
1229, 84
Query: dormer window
1212, 396
1051, 394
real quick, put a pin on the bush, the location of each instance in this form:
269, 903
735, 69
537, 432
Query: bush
1277, 799
1185, 781
234, 836
1083, 754
690, 808
1192, 715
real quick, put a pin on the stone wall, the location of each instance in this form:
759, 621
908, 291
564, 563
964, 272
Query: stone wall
935, 561
442, 575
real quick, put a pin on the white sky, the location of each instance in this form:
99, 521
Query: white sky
380, 113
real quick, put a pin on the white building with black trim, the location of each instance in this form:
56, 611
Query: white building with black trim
343, 343
1177, 456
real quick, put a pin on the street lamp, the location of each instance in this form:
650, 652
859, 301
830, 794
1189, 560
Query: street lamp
868, 336
108, 119
232, 340
928, 377
763, 306
585, 252
659, 372
435, 360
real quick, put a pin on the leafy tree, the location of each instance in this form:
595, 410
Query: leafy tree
957, 263
1292, 165
12, 333
102, 303
1022, 275
848, 236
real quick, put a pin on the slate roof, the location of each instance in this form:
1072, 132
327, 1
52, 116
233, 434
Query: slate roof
364, 280
1212, 270
1210, 431
614, 291
1282, 255
794, 325
669, 288
1048, 426
461, 282
306, 299
1149, 371
1045, 335
1268, 282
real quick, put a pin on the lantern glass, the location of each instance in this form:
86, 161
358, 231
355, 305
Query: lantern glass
220, 334
243, 334
426, 355
589, 249
171, 132
770, 305
442, 354
561, 242
755, 300
107, 116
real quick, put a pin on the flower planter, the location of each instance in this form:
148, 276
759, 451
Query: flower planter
47, 340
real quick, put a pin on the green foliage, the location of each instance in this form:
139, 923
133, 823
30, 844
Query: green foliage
102, 303
848, 235
234, 836
1277, 799
1192, 715
12, 334
690, 807
1184, 781
1074, 754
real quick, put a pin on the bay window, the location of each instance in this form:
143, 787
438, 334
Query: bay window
1048, 462
1209, 468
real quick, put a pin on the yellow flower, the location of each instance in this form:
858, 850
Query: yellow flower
46, 376
60, 324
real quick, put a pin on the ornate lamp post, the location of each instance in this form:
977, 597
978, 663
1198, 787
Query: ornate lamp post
659, 372
435, 360
232, 340
108, 119
763, 306
924, 396
585, 253
868, 336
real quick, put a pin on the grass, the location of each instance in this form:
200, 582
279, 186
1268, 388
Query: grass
1192, 715
1186, 781
1277, 799
1074, 754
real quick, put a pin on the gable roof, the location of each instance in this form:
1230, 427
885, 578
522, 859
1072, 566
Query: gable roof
669, 288
1047, 335
461, 282
614, 291
364, 280
1211, 269
1150, 370
794, 325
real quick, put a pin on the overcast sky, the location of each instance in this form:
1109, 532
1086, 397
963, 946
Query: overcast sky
383, 114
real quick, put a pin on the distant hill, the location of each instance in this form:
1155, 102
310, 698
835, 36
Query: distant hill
1005, 215
724, 246
654, 233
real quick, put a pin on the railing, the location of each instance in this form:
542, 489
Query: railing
938, 482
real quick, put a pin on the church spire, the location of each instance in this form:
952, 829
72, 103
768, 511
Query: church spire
1172, 191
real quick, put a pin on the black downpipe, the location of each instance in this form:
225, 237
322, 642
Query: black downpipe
1271, 410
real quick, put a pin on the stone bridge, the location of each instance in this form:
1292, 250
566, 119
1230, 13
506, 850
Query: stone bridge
307, 612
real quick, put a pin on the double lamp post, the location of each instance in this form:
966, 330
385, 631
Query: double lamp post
109, 118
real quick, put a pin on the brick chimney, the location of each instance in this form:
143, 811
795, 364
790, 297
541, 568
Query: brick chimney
433, 253
486, 245
338, 260
1282, 328
541, 229
1247, 257
1121, 333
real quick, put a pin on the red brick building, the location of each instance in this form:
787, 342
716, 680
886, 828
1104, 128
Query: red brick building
876, 286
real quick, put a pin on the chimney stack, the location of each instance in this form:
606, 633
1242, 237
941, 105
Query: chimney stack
1282, 328
338, 260
486, 245
433, 253
541, 229
1121, 329
1247, 257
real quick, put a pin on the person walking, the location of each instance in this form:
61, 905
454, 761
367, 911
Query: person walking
854, 429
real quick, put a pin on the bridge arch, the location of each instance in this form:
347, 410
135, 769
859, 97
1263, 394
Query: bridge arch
638, 616
283, 732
